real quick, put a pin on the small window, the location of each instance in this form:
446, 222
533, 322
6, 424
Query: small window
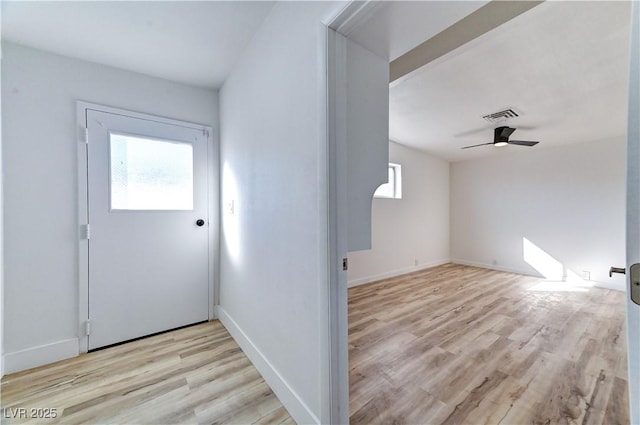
150, 174
393, 188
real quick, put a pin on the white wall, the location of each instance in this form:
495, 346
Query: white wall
568, 201
409, 233
273, 281
39, 91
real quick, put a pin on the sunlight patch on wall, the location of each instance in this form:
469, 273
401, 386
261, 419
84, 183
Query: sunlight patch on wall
230, 222
552, 270
544, 263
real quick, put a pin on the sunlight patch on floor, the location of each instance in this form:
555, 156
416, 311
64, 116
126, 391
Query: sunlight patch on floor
561, 286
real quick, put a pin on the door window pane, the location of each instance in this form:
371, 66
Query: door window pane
150, 174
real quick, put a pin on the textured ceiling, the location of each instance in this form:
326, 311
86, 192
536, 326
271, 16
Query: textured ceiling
562, 65
190, 42
396, 27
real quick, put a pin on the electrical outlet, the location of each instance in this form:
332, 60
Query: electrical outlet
415, 262
586, 275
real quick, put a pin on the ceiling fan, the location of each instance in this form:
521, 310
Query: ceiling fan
501, 138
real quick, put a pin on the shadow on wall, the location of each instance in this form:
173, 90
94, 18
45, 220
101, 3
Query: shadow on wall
557, 277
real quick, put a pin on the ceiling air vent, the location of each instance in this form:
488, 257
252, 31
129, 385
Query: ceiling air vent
500, 116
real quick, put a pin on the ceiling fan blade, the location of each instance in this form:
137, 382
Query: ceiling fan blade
489, 127
475, 146
522, 142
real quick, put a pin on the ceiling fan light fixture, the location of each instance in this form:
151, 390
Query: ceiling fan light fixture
501, 138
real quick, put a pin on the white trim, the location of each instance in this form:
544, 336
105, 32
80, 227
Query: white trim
336, 177
149, 117
213, 193
606, 285
83, 212
354, 14
494, 267
394, 273
40, 355
83, 219
287, 395
603, 285
633, 213
328, 394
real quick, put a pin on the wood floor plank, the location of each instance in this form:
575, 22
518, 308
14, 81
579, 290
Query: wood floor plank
462, 345
192, 375
615, 412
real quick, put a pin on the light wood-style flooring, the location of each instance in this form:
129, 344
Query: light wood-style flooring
463, 345
192, 375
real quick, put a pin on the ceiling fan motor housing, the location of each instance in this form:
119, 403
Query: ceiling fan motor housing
501, 134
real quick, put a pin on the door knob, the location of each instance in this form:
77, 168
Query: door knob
634, 280
620, 270
199, 222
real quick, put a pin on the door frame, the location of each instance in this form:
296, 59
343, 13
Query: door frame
212, 187
336, 31
348, 19
633, 214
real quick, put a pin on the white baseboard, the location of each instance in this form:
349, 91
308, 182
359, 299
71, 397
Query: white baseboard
494, 267
394, 273
604, 285
41, 355
296, 407
615, 286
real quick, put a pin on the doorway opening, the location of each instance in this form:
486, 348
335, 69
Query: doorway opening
376, 308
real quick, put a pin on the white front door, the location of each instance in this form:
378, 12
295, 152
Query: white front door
633, 216
148, 235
